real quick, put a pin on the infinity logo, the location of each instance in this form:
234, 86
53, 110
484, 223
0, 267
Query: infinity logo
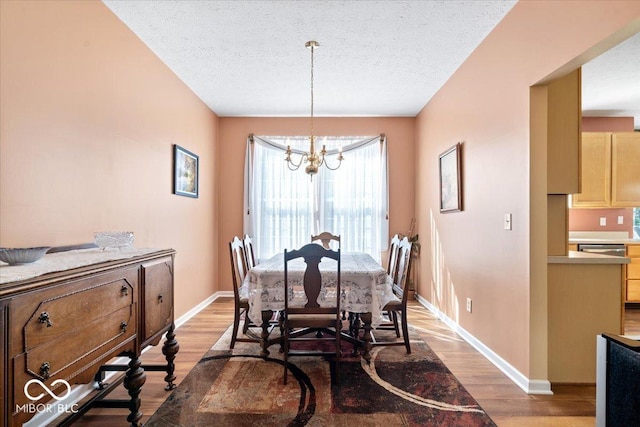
47, 389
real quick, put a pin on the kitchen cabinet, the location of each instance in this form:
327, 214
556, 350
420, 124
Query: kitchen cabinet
625, 169
632, 274
610, 176
560, 118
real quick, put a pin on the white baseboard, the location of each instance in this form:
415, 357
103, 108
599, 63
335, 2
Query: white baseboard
79, 392
198, 308
530, 386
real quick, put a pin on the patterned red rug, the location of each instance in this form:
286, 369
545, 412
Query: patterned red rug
239, 388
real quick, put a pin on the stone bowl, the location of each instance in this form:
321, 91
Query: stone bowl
17, 256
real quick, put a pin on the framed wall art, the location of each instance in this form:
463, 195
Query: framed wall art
185, 172
450, 179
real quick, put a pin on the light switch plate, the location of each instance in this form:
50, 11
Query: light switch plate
507, 221
603, 221
620, 219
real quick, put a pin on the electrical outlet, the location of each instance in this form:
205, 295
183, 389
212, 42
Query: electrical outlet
469, 305
603, 221
620, 219
507, 221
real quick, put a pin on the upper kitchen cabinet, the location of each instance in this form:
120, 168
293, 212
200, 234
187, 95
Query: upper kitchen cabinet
610, 174
563, 115
595, 174
625, 169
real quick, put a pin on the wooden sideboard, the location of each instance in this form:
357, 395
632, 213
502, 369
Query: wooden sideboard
62, 327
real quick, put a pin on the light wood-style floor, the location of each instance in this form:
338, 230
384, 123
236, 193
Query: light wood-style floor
505, 402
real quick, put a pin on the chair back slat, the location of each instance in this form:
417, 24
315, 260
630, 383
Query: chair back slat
392, 263
312, 279
403, 269
325, 239
248, 252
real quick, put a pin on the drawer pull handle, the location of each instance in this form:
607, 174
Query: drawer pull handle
123, 326
124, 290
44, 370
44, 318
160, 298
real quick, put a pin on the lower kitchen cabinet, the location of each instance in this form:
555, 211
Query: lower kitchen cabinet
632, 274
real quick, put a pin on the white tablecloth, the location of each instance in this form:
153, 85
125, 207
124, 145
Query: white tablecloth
365, 285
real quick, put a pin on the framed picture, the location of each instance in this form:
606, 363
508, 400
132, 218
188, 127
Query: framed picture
185, 172
450, 182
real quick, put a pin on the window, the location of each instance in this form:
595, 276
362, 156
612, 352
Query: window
284, 208
636, 223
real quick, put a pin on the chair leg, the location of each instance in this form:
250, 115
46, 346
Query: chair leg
338, 352
286, 354
247, 321
405, 331
236, 323
394, 316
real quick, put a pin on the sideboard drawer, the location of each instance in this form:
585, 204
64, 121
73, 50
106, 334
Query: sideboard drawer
68, 356
73, 310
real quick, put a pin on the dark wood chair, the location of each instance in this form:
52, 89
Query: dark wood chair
325, 238
248, 252
299, 323
398, 307
240, 293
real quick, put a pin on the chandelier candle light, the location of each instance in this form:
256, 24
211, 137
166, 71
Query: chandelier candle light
314, 160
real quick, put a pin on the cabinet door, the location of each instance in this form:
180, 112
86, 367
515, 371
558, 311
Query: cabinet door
157, 279
595, 171
625, 170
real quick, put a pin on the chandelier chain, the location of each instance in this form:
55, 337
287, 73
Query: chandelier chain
312, 49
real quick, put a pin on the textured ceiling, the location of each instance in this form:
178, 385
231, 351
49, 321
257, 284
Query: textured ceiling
376, 58
611, 82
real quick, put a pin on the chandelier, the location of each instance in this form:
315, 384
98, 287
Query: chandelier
313, 159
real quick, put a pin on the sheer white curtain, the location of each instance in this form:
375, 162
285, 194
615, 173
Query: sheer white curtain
283, 207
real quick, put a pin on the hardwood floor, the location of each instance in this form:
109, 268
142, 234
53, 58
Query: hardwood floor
504, 401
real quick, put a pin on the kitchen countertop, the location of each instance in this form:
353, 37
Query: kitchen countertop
575, 257
604, 241
601, 237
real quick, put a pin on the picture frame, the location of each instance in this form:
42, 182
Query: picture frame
450, 168
185, 172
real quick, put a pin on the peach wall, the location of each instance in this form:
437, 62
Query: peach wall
88, 117
607, 124
233, 138
485, 104
589, 220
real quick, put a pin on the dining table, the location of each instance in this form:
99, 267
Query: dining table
365, 289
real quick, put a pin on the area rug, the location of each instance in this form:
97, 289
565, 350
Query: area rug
239, 388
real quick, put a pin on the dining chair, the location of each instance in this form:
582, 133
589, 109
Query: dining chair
398, 306
240, 292
325, 238
299, 322
248, 252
